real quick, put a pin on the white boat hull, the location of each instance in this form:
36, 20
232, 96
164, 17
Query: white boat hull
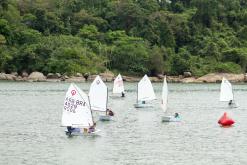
81, 133
140, 105
105, 118
115, 96
170, 119
233, 105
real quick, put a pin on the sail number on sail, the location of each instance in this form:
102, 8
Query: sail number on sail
71, 104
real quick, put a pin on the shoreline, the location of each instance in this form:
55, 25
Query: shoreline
109, 77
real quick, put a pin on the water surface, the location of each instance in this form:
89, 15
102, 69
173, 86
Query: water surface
30, 117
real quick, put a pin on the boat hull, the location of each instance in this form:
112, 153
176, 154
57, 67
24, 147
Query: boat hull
233, 105
82, 133
170, 119
140, 105
105, 118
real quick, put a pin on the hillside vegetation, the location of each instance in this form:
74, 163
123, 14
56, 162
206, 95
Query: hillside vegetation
128, 36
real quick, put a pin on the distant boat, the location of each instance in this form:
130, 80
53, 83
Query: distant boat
145, 93
118, 86
98, 96
164, 97
77, 111
226, 93
164, 103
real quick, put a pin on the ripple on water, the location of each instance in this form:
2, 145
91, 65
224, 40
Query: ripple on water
30, 117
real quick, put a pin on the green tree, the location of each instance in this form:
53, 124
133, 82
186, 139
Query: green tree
156, 62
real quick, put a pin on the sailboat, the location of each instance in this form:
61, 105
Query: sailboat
226, 93
77, 112
98, 96
164, 102
145, 92
118, 86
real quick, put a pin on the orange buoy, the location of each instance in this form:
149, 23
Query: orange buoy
225, 120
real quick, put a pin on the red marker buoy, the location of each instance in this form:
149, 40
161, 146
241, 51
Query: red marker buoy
225, 120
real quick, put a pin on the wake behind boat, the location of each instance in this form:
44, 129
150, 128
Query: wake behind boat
77, 114
145, 93
98, 95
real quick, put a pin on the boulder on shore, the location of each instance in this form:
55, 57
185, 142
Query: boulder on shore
91, 77
107, 76
160, 76
245, 77
155, 79
53, 76
36, 76
131, 79
78, 75
24, 74
217, 77
14, 73
173, 79
188, 80
75, 79
4, 76
64, 77
187, 74
10, 77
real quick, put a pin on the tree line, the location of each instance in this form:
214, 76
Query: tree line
128, 36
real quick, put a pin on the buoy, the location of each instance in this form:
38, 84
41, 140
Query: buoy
225, 120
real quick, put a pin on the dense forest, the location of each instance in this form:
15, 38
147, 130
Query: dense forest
128, 36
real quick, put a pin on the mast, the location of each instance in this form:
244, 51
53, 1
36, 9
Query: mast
137, 94
106, 100
232, 91
90, 108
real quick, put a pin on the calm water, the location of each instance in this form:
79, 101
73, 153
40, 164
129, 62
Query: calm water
30, 133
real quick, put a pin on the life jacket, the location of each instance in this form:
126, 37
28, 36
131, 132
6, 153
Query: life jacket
91, 129
111, 113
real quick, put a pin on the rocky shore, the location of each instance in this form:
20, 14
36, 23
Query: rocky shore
109, 77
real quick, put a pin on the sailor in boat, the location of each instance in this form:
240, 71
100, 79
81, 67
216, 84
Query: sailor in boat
123, 94
109, 112
71, 129
85, 130
92, 128
230, 102
176, 116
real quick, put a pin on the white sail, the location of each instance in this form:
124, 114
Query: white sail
76, 108
118, 86
164, 100
145, 91
98, 95
226, 90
